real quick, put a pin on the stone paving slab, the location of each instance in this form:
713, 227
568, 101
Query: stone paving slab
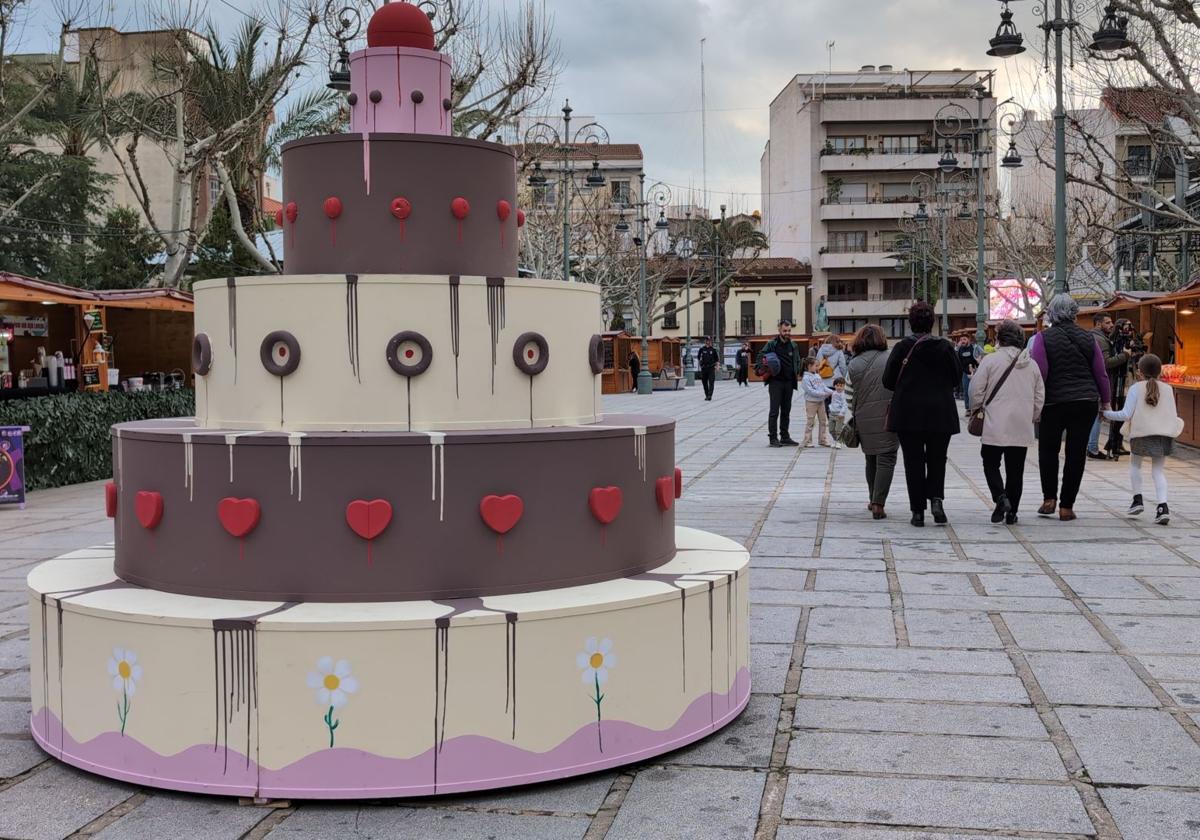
320, 822
1035, 631
851, 626
1160, 814
1133, 746
812, 832
926, 802
1089, 679
938, 628
919, 718
906, 686
56, 801
907, 659
690, 803
175, 815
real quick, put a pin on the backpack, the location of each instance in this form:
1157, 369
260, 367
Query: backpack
768, 366
825, 369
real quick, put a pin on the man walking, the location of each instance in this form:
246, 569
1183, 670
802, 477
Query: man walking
742, 363
780, 363
635, 367
1115, 363
707, 357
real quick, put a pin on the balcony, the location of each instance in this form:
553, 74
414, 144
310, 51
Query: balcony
873, 161
875, 306
848, 209
892, 110
748, 326
873, 256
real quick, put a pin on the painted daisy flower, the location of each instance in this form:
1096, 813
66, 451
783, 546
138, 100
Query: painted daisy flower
595, 660
333, 682
124, 670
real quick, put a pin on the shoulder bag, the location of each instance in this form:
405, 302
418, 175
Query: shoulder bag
975, 424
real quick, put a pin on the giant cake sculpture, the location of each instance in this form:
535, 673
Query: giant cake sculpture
398, 551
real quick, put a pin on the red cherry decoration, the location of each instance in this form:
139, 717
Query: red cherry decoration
401, 208
110, 500
605, 503
400, 25
501, 513
503, 210
291, 211
664, 491
238, 516
333, 207
678, 483
148, 507
368, 519
279, 217
520, 218
460, 207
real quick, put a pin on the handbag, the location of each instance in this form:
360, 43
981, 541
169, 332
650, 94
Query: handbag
849, 434
975, 424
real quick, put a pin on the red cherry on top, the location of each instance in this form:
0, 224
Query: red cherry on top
400, 25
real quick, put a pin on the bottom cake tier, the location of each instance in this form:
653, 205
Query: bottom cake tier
382, 699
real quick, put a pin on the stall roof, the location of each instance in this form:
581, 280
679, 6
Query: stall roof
20, 288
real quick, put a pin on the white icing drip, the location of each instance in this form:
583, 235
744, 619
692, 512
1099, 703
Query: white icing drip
295, 467
639, 448
230, 439
119, 476
437, 471
188, 480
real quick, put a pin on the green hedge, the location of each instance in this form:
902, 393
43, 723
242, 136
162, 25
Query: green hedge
68, 440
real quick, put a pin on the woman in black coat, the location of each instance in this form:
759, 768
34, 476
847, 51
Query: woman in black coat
922, 373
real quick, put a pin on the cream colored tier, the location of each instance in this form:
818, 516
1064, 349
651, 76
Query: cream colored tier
342, 326
385, 699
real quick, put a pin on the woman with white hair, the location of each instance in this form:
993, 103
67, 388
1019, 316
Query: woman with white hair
1072, 367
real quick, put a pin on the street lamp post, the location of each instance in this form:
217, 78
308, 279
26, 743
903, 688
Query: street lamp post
689, 372
661, 197
542, 137
1112, 36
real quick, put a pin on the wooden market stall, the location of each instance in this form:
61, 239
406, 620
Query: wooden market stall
664, 355
55, 338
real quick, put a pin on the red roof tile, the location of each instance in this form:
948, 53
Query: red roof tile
1141, 105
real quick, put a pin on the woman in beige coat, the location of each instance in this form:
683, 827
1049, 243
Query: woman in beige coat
1016, 404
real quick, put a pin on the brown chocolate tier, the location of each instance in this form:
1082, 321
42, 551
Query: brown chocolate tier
310, 516
399, 203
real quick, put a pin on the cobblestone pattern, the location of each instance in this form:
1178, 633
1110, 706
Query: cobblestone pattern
959, 683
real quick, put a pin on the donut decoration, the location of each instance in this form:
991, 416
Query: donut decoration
409, 353
520, 218
531, 353
201, 354
352, 98
368, 519
664, 492
501, 514
596, 354
290, 212
417, 97
333, 209
148, 508
401, 208
503, 211
460, 208
375, 96
280, 353
605, 505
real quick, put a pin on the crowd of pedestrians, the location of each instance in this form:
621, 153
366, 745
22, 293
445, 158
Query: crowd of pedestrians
1051, 390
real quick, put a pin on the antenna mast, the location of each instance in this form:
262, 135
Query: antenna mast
703, 133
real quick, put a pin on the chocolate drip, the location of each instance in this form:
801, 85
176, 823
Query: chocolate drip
441, 687
231, 294
496, 317
510, 667
352, 344
281, 402
455, 281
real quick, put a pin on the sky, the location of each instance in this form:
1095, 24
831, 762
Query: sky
635, 65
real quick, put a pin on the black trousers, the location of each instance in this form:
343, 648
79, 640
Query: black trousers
780, 417
1075, 420
743, 375
708, 378
924, 466
1013, 481
1115, 439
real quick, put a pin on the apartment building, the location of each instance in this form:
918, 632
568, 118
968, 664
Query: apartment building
849, 155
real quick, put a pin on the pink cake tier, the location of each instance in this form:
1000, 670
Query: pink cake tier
373, 516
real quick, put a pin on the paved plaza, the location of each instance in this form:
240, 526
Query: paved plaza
958, 683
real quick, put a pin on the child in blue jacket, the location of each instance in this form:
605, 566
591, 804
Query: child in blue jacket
815, 393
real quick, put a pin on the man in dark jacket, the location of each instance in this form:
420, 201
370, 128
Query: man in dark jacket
707, 358
1115, 363
635, 367
742, 363
781, 385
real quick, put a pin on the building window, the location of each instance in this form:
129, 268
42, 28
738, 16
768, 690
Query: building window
747, 325
846, 326
839, 193
621, 194
900, 144
847, 289
546, 195
785, 310
894, 327
670, 316
896, 288
959, 290
844, 145
214, 191
898, 192
847, 242
892, 240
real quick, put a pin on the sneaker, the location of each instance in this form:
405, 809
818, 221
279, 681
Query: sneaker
1163, 515
787, 441
774, 444
1010, 519
939, 514
837, 445
1002, 509
1137, 507
1097, 455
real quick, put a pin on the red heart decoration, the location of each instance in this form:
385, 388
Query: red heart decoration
401, 208
333, 207
291, 211
238, 516
368, 519
460, 207
664, 490
110, 500
678, 483
501, 513
148, 506
503, 210
520, 218
279, 217
605, 503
